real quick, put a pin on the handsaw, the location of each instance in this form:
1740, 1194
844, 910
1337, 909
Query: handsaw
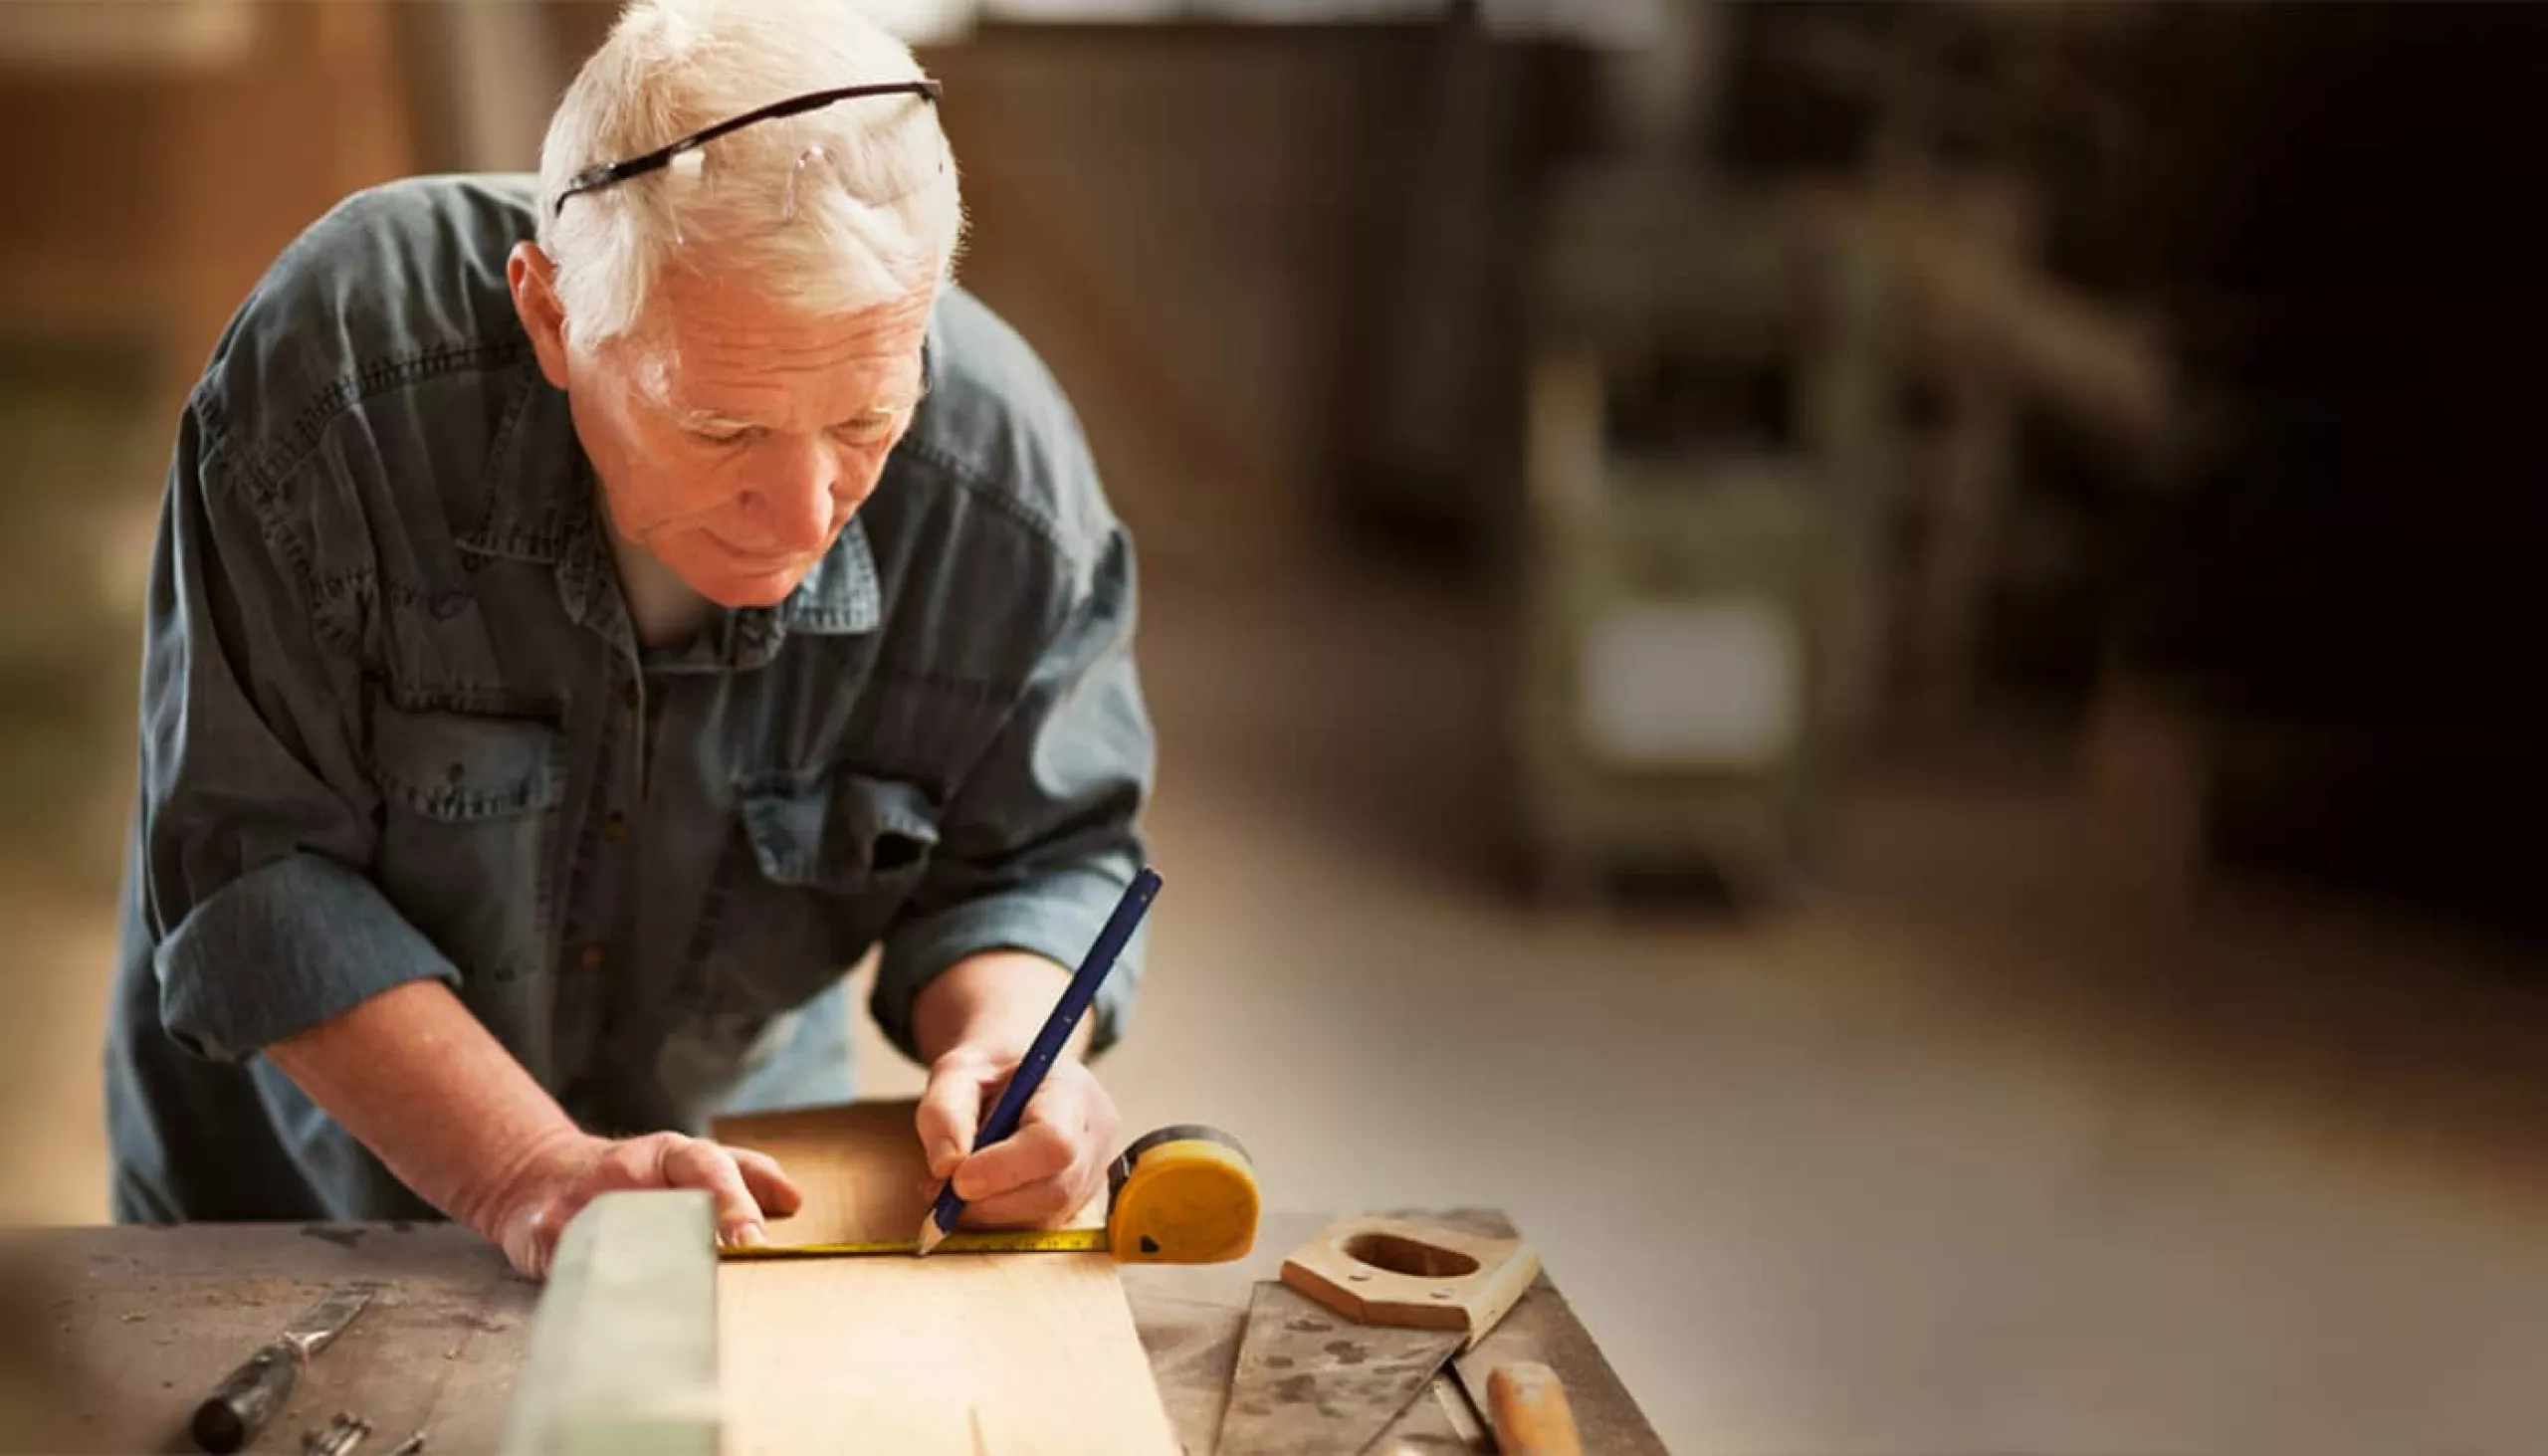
1368, 1313
1310, 1383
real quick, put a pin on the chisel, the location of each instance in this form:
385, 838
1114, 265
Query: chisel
240, 1406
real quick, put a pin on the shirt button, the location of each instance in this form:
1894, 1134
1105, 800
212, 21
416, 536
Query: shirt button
592, 956
616, 826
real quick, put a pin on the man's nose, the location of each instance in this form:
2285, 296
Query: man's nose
791, 505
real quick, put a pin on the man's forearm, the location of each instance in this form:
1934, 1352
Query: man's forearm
996, 1001
431, 1092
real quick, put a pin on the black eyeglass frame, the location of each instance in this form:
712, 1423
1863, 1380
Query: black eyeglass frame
593, 179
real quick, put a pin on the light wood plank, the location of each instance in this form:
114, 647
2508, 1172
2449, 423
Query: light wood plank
908, 1354
623, 1356
1010, 1355
859, 1167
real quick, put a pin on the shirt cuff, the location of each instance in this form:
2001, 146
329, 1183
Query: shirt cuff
278, 950
1057, 918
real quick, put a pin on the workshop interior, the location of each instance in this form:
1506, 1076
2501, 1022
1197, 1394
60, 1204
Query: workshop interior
1846, 762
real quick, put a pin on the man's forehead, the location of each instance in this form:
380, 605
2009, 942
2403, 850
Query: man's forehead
712, 345
708, 403
711, 390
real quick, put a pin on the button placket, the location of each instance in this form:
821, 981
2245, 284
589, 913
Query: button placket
631, 766
598, 912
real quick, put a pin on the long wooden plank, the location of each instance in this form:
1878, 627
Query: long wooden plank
1005, 1354
1010, 1355
623, 1353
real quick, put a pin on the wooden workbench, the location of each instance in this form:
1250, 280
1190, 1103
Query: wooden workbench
131, 1326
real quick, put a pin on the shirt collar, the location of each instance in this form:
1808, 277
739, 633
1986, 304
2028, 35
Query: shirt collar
534, 473
540, 505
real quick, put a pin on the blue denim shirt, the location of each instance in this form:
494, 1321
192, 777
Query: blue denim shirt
396, 725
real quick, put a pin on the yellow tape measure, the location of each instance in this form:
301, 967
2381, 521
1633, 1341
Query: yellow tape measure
971, 1241
1183, 1194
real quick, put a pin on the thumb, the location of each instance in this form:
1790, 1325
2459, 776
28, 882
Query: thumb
529, 1238
951, 1111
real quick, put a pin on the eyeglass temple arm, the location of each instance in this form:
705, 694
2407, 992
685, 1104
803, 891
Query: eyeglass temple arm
594, 178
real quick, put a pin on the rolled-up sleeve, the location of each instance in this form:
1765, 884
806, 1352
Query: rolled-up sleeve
258, 814
1043, 836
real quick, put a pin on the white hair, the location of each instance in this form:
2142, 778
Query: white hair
755, 203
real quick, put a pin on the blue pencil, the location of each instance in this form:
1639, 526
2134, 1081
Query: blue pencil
1003, 1122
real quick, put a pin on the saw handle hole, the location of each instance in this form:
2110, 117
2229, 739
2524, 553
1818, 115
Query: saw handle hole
1405, 1256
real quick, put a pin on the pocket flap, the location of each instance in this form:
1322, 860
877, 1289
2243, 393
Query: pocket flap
838, 830
456, 765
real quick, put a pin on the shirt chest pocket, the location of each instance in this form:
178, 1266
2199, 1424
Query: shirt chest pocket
829, 856
469, 820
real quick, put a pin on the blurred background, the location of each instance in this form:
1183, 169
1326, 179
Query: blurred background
1874, 663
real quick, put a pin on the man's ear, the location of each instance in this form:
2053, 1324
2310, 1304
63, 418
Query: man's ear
533, 281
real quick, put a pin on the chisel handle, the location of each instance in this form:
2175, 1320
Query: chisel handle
240, 1406
1529, 1410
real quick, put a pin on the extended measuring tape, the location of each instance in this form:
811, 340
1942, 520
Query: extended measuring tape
1182, 1195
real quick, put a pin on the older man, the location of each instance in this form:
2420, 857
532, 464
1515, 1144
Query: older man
589, 613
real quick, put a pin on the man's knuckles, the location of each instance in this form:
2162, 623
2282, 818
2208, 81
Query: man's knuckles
1039, 1151
1044, 1201
969, 1066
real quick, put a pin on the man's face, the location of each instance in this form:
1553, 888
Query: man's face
734, 439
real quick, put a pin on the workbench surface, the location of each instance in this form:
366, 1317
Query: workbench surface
138, 1324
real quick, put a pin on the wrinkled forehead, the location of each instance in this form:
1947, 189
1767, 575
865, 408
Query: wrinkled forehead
708, 344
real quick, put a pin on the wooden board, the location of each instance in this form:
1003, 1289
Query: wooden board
1010, 1355
623, 1352
859, 1167
1036, 1352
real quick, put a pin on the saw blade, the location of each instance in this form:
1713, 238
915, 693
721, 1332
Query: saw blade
1312, 1384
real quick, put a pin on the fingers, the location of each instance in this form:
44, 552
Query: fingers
1051, 1169
1040, 1150
1045, 1203
1070, 1119
771, 1187
744, 1186
529, 1241
1105, 1122
950, 1112
541, 1199
687, 1163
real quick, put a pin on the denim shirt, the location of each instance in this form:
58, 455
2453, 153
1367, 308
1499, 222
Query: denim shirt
396, 725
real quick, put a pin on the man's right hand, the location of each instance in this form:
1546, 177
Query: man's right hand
534, 1205
441, 1102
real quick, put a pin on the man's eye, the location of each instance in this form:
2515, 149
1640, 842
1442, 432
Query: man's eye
722, 436
865, 431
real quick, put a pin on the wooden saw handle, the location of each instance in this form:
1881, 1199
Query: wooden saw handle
1531, 1413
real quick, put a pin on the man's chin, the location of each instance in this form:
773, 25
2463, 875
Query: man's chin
736, 590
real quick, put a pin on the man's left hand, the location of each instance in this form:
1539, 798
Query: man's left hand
1053, 1166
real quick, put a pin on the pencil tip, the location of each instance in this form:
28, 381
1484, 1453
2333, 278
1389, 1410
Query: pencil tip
930, 1234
